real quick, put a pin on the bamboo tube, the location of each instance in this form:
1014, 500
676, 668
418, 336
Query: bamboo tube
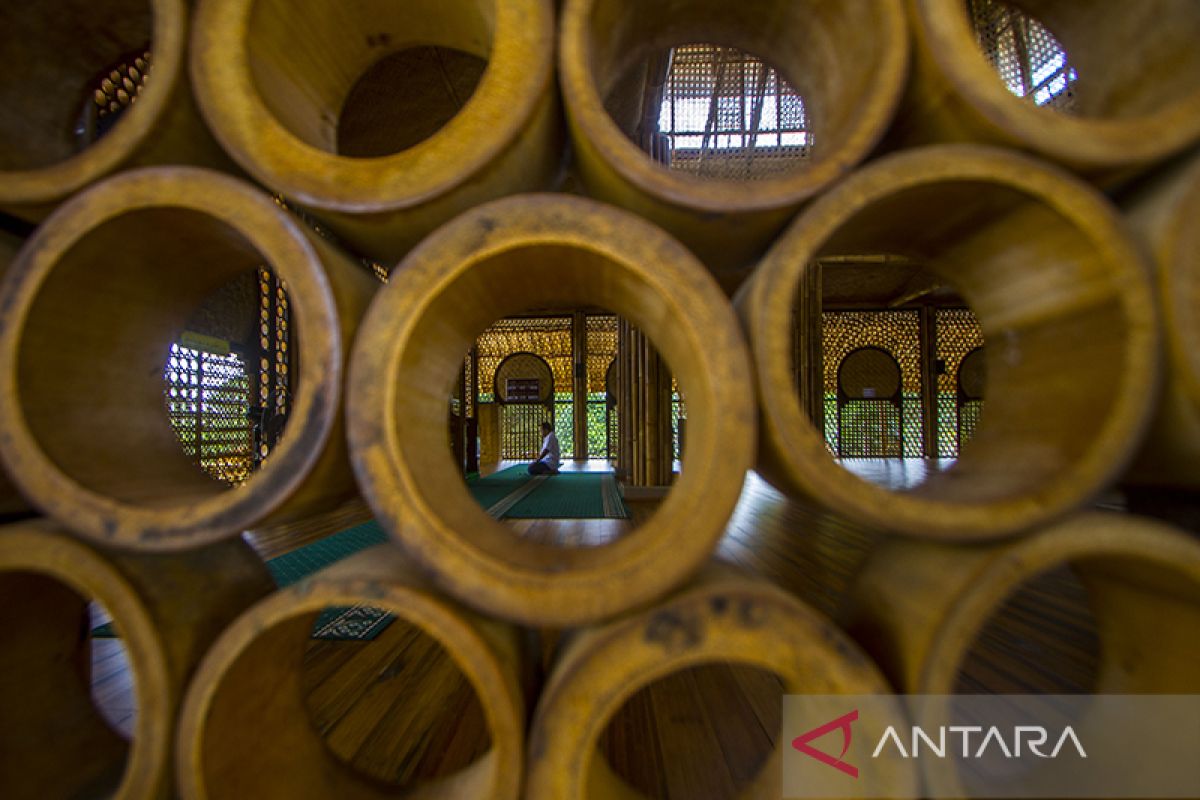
11, 501
273, 84
847, 60
543, 251
918, 607
721, 618
1137, 96
166, 608
54, 52
1062, 295
90, 310
247, 692
1164, 214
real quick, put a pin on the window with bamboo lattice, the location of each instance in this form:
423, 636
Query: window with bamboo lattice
871, 429
227, 414
1027, 57
208, 400
728, 116
958, 334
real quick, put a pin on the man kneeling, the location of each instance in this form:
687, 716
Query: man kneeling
548, 460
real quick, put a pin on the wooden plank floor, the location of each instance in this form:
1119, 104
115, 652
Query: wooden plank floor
699, 734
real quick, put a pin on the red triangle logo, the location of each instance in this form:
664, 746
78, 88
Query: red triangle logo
842, 723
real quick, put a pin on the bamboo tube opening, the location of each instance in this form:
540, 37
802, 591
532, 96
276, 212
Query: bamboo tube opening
94, 305
50, 140
55, 742
1061, 295
1137, 96
309, 69
846, 60
539, 251
729, 745
918, 608
252, 689
292, 96
750, 627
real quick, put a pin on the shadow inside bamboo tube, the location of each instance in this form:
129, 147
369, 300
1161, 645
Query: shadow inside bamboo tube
388, 701
60, 735
706, 731
74, 55
404, 98
712, 112
374, 79
890, 366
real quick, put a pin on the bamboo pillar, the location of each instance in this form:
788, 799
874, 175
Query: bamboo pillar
848, 60
579, 397
95, 300
1063, 297
929, 380
49, 148
808, 346
167, 610
543, 251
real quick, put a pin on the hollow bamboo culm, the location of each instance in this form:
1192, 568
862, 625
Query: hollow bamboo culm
848, 61
1137, 96
167, 609
543, 251
59, 56
1063, 298
90, 310
721, 618
274, 85
248, 691
1164, 213
11, 501
917, 607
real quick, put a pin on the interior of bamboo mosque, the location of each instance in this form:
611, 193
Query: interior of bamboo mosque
534, 499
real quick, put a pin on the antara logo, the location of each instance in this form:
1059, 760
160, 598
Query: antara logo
842, 722
1031, 737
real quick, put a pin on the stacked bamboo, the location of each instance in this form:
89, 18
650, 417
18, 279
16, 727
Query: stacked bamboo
1000, 198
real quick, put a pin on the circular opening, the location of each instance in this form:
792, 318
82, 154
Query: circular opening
541, 437
546, 277
372, 79
765, 91
1108, 60
704, 731
352, 683
68, 695
1031, 62
890, 366
73, 53
1110, 616
1061, 298
140, 343
714, 112
388, 700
